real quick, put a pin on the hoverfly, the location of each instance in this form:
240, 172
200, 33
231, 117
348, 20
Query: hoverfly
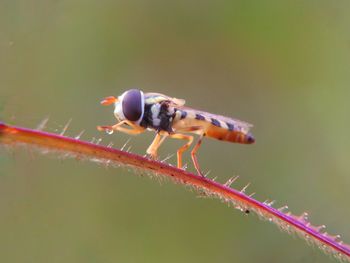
168, 117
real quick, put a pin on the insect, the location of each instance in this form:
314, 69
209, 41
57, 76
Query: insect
137, 112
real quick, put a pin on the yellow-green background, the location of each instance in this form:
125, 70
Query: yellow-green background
282, 65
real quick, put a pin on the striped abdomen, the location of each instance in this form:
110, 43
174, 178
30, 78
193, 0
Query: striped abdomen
230, 136
214, 126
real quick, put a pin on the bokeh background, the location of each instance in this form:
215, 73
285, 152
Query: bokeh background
282, 65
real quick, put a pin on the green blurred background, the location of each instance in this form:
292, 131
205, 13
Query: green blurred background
282, 65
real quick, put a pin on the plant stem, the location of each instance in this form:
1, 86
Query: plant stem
12, 135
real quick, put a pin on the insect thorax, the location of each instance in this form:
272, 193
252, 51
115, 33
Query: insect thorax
158, 116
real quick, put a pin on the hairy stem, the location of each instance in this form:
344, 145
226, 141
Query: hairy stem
12, 136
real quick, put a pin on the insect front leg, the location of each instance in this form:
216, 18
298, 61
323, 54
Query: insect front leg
118, 127
111, 127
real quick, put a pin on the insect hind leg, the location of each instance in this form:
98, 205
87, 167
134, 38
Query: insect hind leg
194, 156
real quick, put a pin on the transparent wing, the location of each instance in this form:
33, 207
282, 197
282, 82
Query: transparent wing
237, 123
152, 97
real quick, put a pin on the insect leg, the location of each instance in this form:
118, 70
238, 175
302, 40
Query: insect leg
134, 131
117, 127
111, 127
183, 148
153, 148
193, 154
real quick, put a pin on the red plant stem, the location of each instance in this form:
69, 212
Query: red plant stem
15, 135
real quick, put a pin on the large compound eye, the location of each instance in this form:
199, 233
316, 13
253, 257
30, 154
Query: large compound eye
133, 104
